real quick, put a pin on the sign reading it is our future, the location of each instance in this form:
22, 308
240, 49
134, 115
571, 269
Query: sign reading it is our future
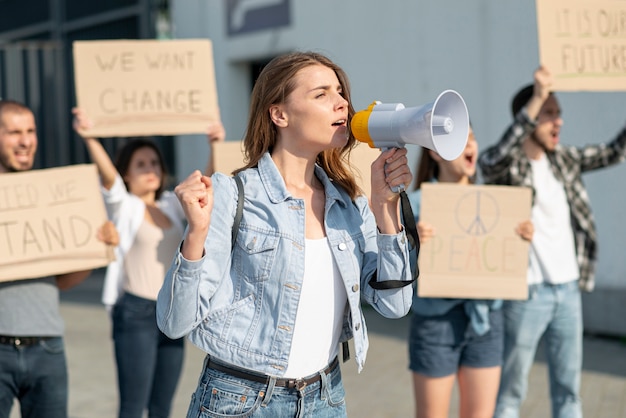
583, 43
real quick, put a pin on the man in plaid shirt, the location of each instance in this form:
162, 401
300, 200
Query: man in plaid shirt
563, 249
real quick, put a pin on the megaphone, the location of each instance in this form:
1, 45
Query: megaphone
442, 125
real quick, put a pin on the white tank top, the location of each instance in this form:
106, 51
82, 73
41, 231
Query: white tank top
319, 318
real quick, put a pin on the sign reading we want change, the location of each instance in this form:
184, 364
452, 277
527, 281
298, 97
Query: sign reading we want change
146, 87
49, 221
583, 43
475, 252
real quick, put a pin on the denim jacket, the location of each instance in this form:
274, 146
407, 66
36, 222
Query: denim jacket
240, 306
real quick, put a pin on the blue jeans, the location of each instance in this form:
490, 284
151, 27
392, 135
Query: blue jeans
554, 312
222, 395
149, 364
37, 376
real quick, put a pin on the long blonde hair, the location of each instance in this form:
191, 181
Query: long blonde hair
272, 87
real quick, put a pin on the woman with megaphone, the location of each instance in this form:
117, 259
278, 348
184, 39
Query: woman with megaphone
271, 295
454, 339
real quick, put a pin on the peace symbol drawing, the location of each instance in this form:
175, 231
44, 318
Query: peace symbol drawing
477, 213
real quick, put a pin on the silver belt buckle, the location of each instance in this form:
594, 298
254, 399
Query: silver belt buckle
300, 384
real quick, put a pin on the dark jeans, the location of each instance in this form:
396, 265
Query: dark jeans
148, 363
37, 376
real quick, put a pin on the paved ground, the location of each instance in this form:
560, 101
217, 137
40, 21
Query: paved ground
383, 389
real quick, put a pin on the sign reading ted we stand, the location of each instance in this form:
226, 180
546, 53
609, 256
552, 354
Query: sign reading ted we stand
475, 252
583, 43
146, 87
49, 221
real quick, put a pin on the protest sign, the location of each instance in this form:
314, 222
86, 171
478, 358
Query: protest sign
49, 220
475, 253
229, 156
146, 87
583, 43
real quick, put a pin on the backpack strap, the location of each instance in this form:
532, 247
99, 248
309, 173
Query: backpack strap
239, 213
414, 241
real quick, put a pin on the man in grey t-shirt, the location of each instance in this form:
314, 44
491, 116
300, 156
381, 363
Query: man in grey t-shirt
33, 368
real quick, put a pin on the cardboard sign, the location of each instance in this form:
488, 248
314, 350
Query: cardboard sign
475, 253
229, 156
583, 43
48, 222
146, 87
361, 159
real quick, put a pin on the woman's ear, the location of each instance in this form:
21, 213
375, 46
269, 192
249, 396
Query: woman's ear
278, 116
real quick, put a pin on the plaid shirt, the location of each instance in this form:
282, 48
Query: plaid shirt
506, 163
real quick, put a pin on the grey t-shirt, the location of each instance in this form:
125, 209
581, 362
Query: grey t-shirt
30, 308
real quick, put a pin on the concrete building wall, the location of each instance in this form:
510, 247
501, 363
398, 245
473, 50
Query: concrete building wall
408, 51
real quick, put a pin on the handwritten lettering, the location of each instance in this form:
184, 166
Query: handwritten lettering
48, 222
63, 192
562, 23
612, 24
163, 61
114, 101
586, 23
18, 196
43, 236
173, 61
471, 254
593, 58
124, 61
589, 43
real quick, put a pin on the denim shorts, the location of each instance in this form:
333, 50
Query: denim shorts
439, 345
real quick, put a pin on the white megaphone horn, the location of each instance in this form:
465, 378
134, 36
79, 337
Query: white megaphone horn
442, 126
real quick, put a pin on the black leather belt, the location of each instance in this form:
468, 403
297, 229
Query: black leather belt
280, 382
21, 341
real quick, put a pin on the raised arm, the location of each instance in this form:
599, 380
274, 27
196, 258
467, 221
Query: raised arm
215, 133
98, 154
542, 87
494, 161
195, 194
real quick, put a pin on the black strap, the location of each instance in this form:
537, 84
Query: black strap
414, 241
239, 213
